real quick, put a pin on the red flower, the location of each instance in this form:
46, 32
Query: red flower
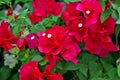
105, 28
54, 76
47, 6
6, 37
91, 10
108, 44
77, 28
34, 18
9, 11
56, 41
50, 75
52, 59
99, 44
75, 23
71, 13
43, 8
31, 40
30, 71
20, 43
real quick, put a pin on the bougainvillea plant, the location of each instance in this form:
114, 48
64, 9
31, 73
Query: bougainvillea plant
59, 39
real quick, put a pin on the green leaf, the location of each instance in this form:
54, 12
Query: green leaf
16, 30
115, 15
49, 21
4, 73
36, 58
116, 4
95, 70
14, 50
23, 20
35, 55
118, 70
104, 16
2, 14
43, 62
80, 76
37, 28
100, 78
22, 1
102, 2
71, 66
84, 69
28, 5
25, 32
109, 70
87, 57
7, 1
113, 74
106, 66
68, 1
118, 21
24, 55
108, 60
15, 77
60, 67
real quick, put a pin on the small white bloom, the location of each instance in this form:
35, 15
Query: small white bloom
43, 34
33, 37
80, 25
49, 35
88, 12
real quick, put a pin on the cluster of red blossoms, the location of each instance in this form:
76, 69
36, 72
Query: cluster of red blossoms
83, 25
43, 8
31, 71
7, 39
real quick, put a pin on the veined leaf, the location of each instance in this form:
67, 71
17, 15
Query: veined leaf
105, 15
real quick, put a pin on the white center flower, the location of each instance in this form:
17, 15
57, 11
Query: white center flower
33, 37
49, 35
80, 25
88, 12
43, 34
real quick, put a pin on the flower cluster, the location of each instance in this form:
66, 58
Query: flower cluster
56, 41
30, 71
82, 25
43, 8
7, 39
